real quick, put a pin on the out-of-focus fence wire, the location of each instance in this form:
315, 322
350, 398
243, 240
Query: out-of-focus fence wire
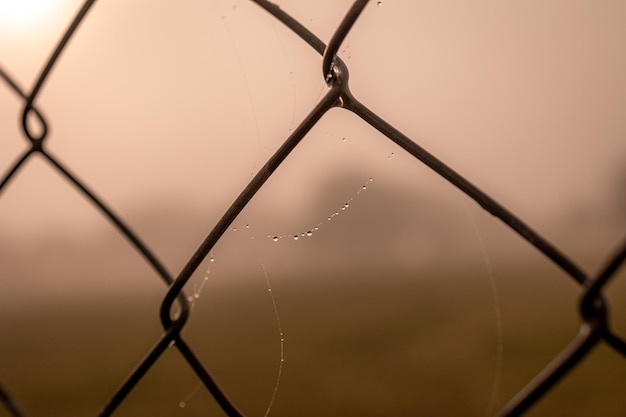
594, 324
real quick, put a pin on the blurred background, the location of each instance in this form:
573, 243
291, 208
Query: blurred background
400, 296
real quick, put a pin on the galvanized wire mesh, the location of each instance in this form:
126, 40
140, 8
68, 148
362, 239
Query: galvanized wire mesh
593, 308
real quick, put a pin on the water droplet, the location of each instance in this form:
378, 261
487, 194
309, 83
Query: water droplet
206, 278
247, 226
371, 179
330, 218
182, 404
309, 233
196, 295
269, 290
343, 139
295, 237
316, 228
379, 3
275, 238
346, 205
234, 229
211, 259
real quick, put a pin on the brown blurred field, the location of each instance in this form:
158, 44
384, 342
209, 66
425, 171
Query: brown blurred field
386, 310
359, 343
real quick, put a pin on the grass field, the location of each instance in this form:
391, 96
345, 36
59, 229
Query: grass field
388, 343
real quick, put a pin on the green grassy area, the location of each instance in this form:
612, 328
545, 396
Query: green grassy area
356, 344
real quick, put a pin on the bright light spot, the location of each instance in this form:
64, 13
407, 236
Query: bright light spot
25, 15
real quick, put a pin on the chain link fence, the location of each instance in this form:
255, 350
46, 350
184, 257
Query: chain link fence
593, 308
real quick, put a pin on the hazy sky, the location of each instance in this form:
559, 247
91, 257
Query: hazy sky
178, 103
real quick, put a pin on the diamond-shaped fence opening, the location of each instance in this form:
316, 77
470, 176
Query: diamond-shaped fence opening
204, 344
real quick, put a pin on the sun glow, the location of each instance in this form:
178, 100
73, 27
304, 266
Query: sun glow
21, 15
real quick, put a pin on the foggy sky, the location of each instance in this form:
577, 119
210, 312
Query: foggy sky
177, 104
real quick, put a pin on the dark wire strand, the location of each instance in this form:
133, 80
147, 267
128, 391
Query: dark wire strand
329, 101
139, 371
573, 354
482, 198
124, 229
11, 83
78, 19
297, 27
609, 271
211, 385
15, 169
28, 105
338, 37
9, 402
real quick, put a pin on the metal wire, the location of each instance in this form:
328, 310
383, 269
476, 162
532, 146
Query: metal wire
594, 327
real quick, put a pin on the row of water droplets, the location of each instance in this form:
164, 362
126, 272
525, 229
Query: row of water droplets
309, 232
198, 287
